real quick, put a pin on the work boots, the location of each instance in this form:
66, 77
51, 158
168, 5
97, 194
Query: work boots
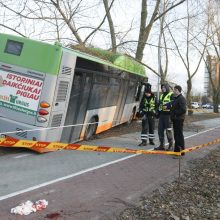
161, 147
143, 143
151, 141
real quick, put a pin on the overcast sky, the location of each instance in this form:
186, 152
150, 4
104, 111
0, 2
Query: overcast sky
176, 70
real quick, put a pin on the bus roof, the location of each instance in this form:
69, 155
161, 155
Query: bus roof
45, 57
116, 60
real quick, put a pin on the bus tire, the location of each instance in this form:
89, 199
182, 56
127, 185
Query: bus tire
91, 129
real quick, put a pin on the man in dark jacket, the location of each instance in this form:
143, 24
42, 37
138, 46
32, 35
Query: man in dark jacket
178, 111
163, 113
147, 112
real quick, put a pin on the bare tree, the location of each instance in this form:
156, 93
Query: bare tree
186, 52
214, 79
67, 20
72, 22
162, 69
111, 25
212, 60
146, 23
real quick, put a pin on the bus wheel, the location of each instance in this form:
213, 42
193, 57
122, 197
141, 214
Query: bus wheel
91, 129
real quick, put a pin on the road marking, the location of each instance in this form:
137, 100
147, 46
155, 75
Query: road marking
83, 171
202, 132
64, 178
23, 155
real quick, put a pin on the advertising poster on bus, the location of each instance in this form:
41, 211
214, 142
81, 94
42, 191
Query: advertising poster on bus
19, 93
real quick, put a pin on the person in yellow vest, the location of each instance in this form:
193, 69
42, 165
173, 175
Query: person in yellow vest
163, 112
147, 113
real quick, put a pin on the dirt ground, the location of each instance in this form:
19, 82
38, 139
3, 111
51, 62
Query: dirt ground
196, 195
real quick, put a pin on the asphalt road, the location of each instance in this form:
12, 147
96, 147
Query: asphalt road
90, 185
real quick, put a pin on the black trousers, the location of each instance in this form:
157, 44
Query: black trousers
148, 126
178, 135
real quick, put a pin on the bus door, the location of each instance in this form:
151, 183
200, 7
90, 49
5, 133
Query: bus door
121, 101
77, 106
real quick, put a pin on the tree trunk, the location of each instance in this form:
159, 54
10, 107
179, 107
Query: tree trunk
188, 96
141, 46
145, 29
162, 78
215, 101
111, 26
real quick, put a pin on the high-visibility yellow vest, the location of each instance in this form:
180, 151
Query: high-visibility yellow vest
149, 106
163, 102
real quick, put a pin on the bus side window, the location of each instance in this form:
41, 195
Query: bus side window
113, 92
99, 92
76, 84
131, 92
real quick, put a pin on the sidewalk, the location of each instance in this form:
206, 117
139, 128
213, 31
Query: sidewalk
132, 140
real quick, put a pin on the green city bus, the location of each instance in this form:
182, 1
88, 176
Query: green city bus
52, 93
